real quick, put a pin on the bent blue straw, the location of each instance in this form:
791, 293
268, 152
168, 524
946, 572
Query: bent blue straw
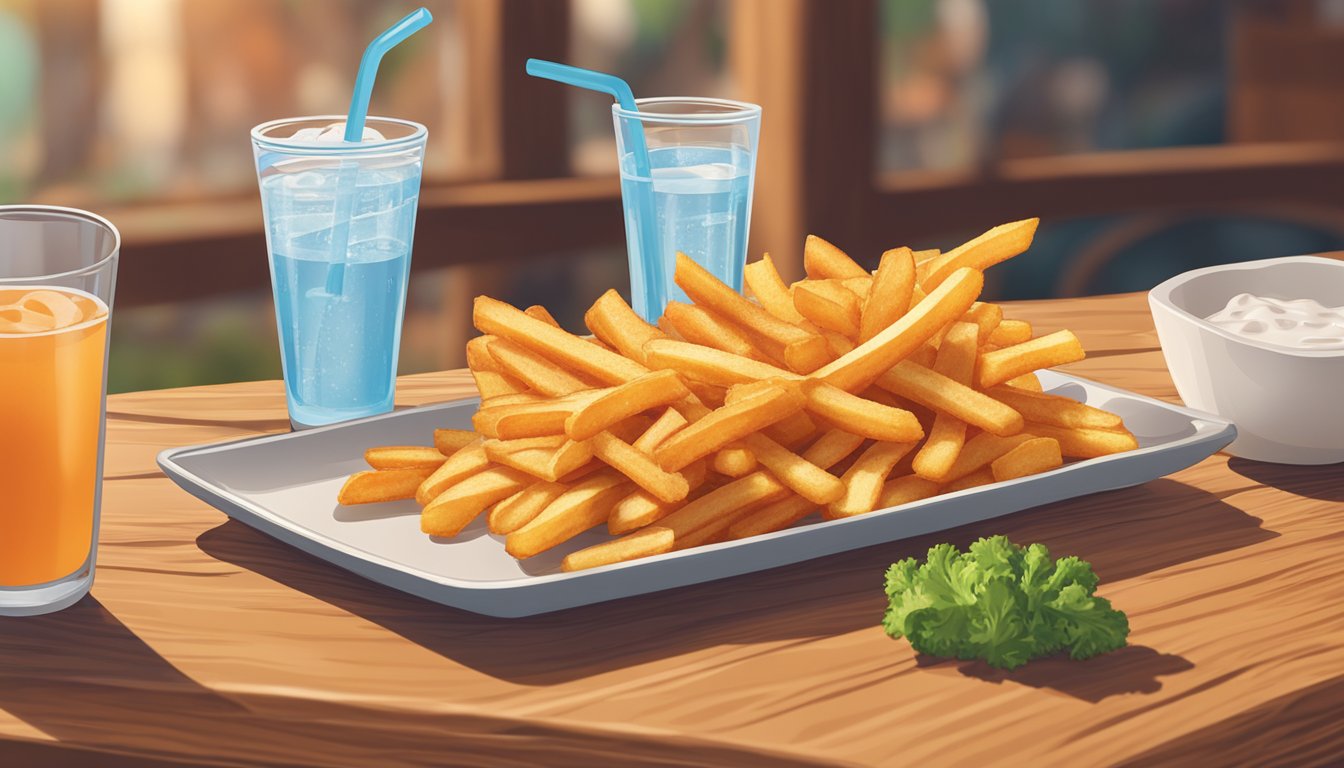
354, 133
644, 209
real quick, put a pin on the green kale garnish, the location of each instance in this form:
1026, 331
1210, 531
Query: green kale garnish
1002, 603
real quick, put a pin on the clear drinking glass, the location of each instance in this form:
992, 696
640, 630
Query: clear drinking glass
695, 197
339, 224
58, 269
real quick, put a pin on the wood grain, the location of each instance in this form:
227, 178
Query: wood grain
205, 642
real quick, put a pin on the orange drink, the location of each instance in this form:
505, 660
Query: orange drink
52, 345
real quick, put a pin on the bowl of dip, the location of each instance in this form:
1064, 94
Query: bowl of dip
1261, 344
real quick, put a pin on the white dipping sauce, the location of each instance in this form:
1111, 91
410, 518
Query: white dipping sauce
1296, 323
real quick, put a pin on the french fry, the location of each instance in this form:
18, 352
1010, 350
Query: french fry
796, 472
709, 365
490, 384
1046, 351
373, 486
614, 322
859, 286
507, 422
801, 351
1030, 458
998, 244
642, 508
700, 326
956, 361
733, 499
468, 460
619, 403
829, 306
534, 461
495, 317
926, 255
1086, 443
539, 312
404, 457
764, 282
708, 394
449, 441
832, 447
735, 461
860, 416
821, 260
775, 516
936, 391
662, 428
639, 467
518, 399
495, 447
726, 425
455, 508
536, 371
1026, 381
793, 431
864, 480
479, 357
645, 543
890, 295
1053, 409
856, 370
568, 458
519, 509
981, 476
986, 317
980, 451
905, 489
1010, 332
583, 506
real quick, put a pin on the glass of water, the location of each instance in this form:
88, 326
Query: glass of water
693, 197
339, 223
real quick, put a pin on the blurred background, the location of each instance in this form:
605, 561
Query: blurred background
1151, 136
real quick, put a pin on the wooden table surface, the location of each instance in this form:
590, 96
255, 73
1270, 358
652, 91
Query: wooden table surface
206, 642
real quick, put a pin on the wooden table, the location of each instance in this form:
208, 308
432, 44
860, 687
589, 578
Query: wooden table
207, 642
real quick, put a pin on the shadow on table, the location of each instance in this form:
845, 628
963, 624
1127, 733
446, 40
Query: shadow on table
1132, 669
1124, 533
1324, 482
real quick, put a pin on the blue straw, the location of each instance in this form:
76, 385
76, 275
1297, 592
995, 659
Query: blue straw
619, 90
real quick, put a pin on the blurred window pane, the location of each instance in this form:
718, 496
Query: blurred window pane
144, 100
965, 82
660, 47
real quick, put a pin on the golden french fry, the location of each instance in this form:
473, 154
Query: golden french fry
518, 399
479, 357
821, 260
926, 255
860, 416
700, 326
548, 417
570, 457
735, 461
859, 286
614, 322
1030, 458
449, 441
519, 509
583, 506
986, 317
936, 391
731, 499
864, 480
981, 450
642, 508
801, 351
404, 457
534, 461
796, 472
709, 365
490, 384
455, 508
793, 431
829, 306
1086, 443
639, 467
905, 489
1010, 332
373, 486
496, 317
861, 367
728, 424
708, 394
998, 244
468, 460
981, 476
1046, 351
1053, 409
662, 428
764, 282
536, 371
539, 312
832, 447
1026, 381
619, 403
775, 516
890, 295
645, 543
495, 447
956, 361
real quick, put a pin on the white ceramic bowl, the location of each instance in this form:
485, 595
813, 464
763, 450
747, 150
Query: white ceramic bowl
1288, 404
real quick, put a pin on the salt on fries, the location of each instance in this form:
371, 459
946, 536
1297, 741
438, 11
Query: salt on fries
846, 392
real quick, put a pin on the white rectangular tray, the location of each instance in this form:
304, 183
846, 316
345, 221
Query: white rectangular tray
285, 486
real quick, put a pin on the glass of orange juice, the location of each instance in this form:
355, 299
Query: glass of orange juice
58, 268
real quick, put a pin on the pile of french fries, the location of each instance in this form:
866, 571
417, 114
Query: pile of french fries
848, 391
